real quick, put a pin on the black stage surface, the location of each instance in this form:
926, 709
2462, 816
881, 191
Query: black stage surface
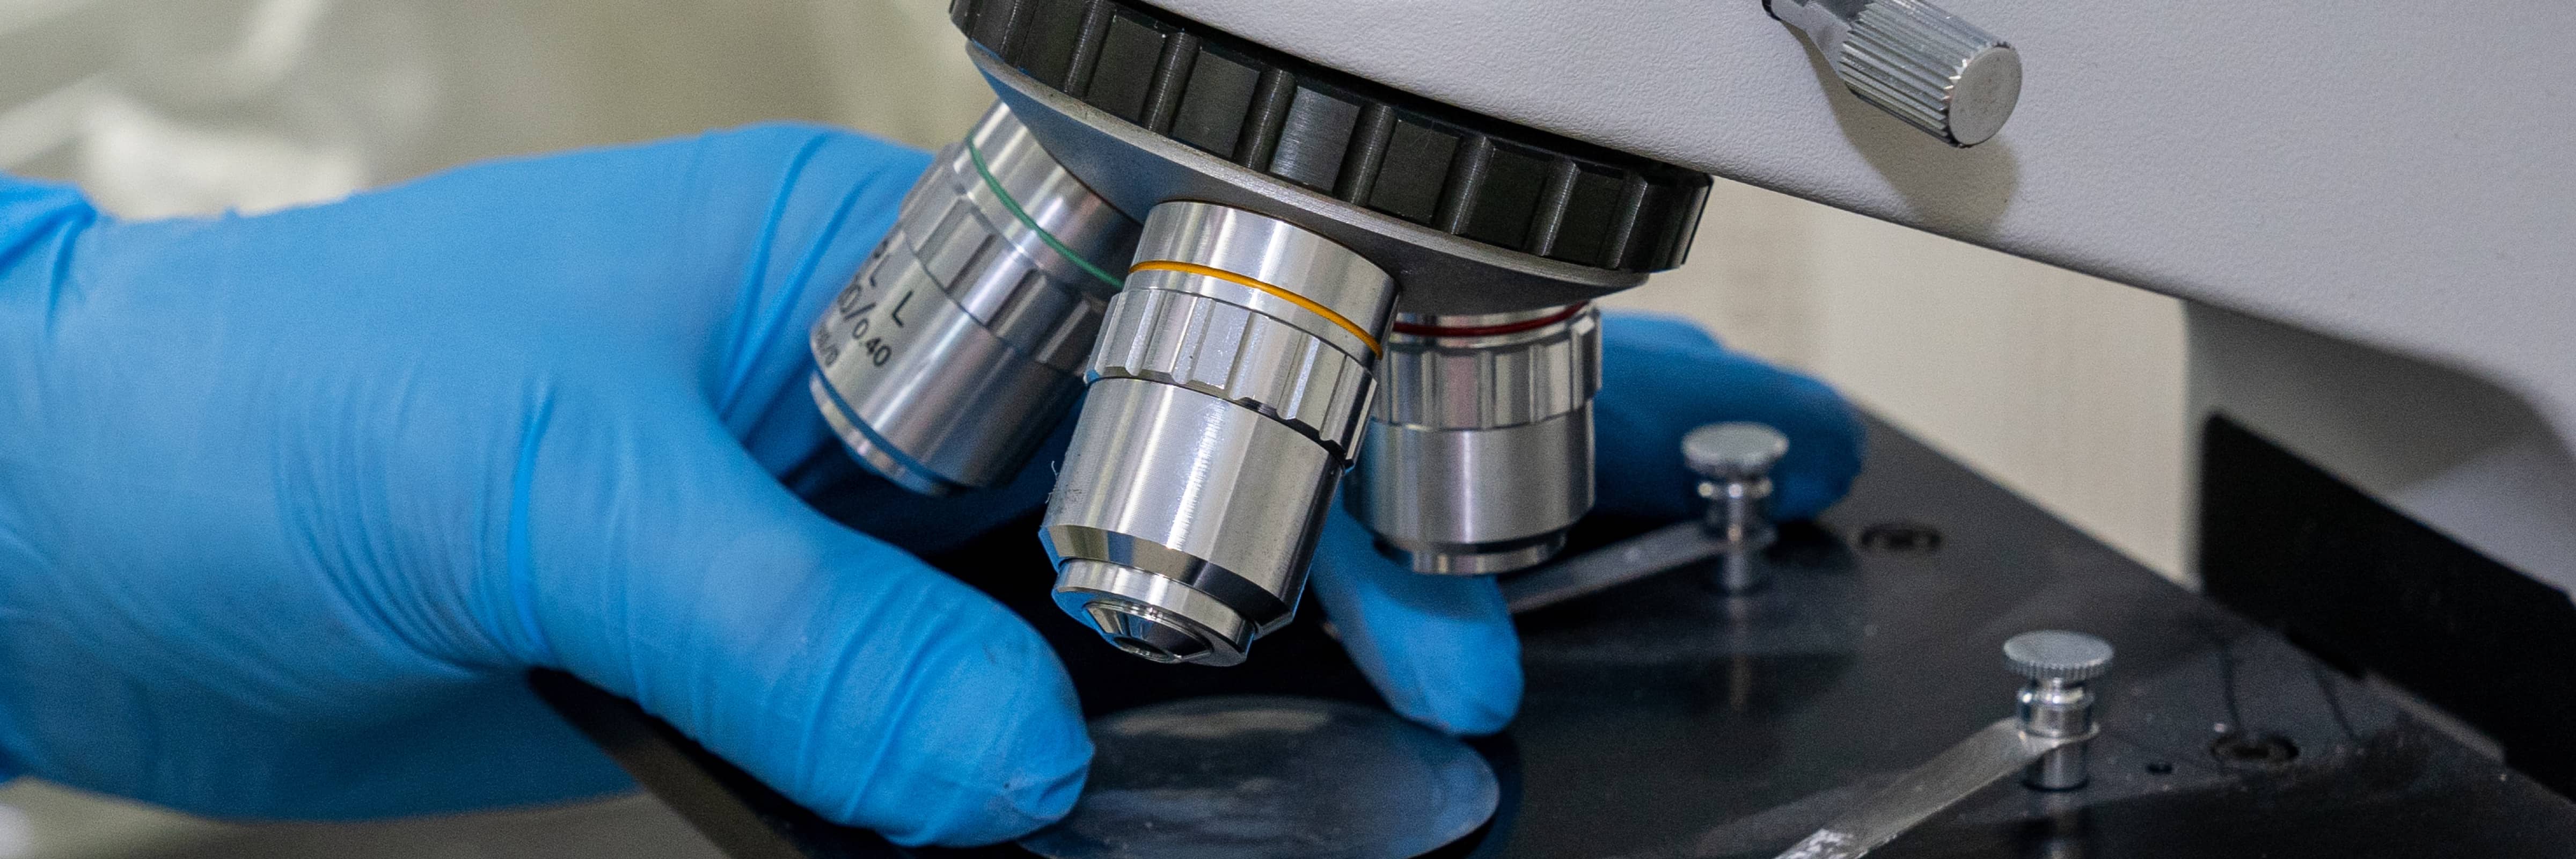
1663, 720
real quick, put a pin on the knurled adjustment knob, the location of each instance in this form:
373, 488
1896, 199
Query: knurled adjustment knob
2057, 655
1733, 451
1932, 69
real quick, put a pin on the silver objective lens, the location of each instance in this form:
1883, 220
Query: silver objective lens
954, 352
1480, 450
1228, 389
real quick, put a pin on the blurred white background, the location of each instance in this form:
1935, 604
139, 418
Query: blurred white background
2068, 389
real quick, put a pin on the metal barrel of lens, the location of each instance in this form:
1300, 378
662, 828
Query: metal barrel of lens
982, 301
1480, 450
1228, 390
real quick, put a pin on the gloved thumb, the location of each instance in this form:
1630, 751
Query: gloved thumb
667, 566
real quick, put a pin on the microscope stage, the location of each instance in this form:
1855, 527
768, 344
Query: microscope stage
1664, 720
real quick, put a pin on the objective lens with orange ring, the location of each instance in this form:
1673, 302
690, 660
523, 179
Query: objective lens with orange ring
1228, 392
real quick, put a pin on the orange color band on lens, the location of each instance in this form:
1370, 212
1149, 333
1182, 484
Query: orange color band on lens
1290, 297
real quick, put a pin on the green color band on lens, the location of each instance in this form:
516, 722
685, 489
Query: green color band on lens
1023, 215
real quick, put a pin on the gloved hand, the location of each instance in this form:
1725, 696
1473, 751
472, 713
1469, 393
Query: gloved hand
1441, 648
287, 504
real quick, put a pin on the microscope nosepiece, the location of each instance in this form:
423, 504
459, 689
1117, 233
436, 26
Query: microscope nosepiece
1228, 390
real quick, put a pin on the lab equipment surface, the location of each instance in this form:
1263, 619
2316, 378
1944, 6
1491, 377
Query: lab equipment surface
1668, 718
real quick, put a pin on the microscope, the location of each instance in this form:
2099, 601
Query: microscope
1265, 254
1261, 273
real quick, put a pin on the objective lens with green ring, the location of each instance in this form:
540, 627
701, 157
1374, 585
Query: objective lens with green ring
959, 346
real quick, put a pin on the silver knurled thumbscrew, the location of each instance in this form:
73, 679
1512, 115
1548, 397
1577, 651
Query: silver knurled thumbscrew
1733, 465
1733, 462
1936, 71
2044, 740
2057, 702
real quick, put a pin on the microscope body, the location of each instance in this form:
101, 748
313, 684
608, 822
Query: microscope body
1507, 173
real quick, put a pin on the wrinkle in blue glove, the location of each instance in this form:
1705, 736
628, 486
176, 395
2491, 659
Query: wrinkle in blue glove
1441, 648
289, 503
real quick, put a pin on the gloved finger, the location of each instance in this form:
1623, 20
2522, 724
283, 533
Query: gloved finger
721, 249
1641, 330
667, 566
731, 244
1440, 648
823, 206
1662, 376
799, 210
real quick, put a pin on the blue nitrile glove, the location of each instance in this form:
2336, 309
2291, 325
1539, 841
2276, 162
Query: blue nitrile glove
289, 503
1442, 648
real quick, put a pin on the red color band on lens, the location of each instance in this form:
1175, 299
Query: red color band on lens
1420, 330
